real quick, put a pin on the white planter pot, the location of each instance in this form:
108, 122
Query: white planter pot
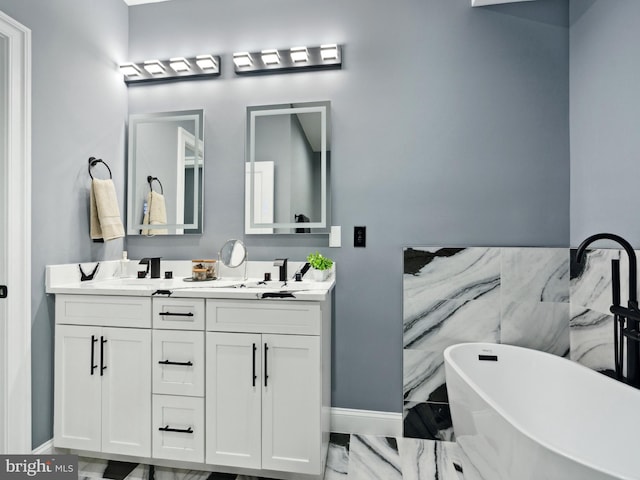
319, 275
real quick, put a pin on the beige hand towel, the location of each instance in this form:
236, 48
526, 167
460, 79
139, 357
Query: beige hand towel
105, 219
156, 214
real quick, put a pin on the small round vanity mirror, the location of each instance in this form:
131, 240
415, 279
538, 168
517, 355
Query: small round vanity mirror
233, 254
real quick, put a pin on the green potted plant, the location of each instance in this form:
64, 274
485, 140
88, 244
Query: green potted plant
320, 266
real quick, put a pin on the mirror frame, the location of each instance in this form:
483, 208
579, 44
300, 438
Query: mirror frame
253, 112
135, 228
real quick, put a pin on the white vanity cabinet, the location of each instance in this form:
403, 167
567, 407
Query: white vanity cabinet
103, 376
193, 377
265, 385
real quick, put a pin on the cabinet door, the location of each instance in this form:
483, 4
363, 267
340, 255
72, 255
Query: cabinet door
233, 399
126, 391
291, 404
77, 387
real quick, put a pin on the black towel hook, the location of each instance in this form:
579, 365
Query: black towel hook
93, 161
150, 179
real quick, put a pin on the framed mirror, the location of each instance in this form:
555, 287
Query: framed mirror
165, 173
287, 168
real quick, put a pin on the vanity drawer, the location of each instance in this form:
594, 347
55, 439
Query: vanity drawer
178, 428
178, 313
301, 318
103, 310
178, 362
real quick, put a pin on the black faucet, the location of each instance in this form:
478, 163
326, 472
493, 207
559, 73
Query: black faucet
626, 320
282, 264
154, 263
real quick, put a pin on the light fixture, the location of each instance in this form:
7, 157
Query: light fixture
180, 64
207, 62
242, 60
270, 57
176, 68
294, 59
154, 67
129, 69
329, 52
299, 54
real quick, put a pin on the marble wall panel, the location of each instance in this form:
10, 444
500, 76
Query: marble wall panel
478, 294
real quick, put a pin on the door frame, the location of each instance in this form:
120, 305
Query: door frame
15, 354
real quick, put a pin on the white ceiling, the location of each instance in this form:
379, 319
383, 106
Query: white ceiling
140, 2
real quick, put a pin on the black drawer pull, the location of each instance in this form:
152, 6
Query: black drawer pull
254, 376
178, 430
103, 367
266, 349
169, 362
94, 340
189, 314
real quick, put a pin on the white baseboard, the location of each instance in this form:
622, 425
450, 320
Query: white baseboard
366, 422
45, 449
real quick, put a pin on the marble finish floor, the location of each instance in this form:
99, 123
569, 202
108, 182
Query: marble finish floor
350, 457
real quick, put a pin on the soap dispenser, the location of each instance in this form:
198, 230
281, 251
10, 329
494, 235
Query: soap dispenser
123, 269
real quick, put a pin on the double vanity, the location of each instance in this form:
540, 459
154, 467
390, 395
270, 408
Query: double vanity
229, 375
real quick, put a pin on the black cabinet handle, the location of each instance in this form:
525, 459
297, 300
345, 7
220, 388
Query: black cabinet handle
169, 362
266, 349
178, 430
103, 367
254, 365
189, 314
93, 348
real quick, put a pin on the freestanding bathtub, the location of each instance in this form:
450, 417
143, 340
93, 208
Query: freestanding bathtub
521, 414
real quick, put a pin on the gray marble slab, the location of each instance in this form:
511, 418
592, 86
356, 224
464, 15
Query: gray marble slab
591, 281
427, 459
539, 325
374, 458
591, 334
535, 274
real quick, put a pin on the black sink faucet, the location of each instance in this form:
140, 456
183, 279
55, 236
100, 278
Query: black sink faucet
281, 263
154, 263
626, 321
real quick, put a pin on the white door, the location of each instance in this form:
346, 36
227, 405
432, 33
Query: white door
3, 228
77, 387
126, 391
233, 399
291, 404
15, 236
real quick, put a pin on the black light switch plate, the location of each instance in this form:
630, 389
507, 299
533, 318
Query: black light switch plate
359, 236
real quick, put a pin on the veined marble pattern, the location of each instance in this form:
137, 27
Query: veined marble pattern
479, 294
538, 325
535, 274
350, 457
456, 274
591, 280
445, 322
592, 338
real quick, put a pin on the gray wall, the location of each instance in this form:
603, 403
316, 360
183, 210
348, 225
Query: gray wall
450, 127
605, 145
78, 110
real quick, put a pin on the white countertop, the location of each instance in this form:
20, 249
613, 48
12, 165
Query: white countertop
65, 279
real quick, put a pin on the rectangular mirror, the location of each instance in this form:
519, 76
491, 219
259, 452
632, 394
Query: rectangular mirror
287, 168
165, 172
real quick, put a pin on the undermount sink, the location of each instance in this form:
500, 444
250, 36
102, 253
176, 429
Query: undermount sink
289, 286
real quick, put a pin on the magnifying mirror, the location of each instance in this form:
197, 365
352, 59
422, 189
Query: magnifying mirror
233, 254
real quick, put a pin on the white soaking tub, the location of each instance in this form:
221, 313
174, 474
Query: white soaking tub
521, 414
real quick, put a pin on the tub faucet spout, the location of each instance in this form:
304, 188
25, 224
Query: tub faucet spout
626, 322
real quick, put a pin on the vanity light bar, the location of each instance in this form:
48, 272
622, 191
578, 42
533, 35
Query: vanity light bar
177, 68
288, 60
